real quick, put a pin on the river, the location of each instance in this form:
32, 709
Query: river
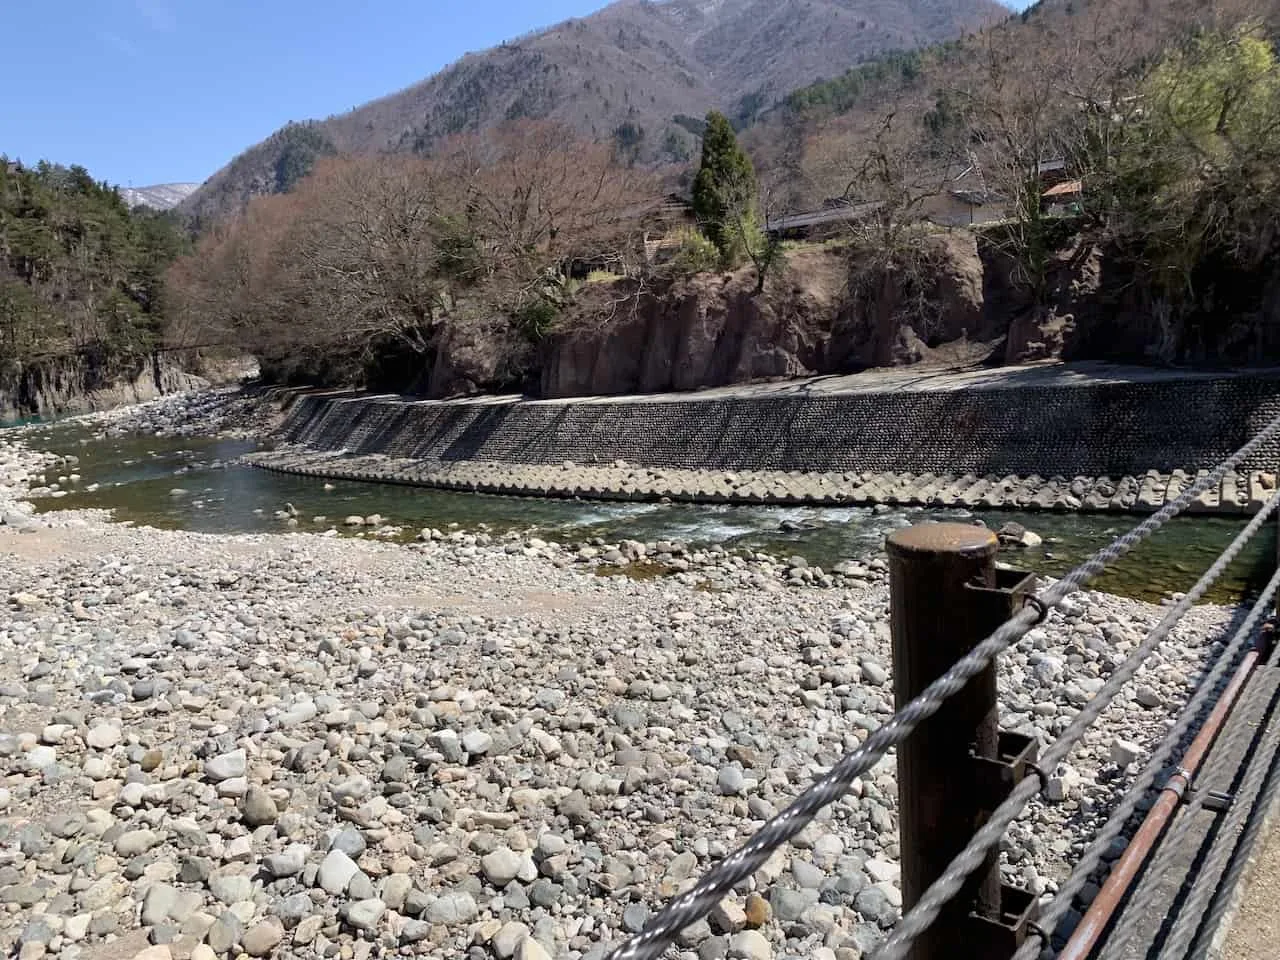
198, 485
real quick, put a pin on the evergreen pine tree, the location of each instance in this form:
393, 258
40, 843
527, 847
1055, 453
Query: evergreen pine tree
724, 192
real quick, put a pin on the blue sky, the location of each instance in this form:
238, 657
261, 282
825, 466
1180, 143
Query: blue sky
157, 91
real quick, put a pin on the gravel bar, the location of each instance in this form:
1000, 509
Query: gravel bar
475, 746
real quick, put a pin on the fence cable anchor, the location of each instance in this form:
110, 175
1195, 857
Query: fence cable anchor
1014, 761
1041, 608
1217, 800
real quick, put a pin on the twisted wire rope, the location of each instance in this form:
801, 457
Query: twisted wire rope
1262, 810
926, 910
1207, 902
1191, 912
1171, 845
1092, 858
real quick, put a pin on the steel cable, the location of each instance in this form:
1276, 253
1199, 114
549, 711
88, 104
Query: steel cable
918, 919
698, 901
1095, 854
1232, 743
1128, 804
1262, 807
1255, 796
1193, 915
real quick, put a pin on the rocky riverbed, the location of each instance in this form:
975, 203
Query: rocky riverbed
474, 746
226, 411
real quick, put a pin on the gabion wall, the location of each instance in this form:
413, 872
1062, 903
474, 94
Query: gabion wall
1086, 430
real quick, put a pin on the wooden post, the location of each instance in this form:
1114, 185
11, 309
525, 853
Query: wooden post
935, 620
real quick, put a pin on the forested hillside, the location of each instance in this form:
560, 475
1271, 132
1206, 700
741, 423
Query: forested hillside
458, 270
482, 245
638, 74
1003, 89
79, 272
1164, 120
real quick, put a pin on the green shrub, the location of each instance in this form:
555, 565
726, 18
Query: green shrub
696, 254
535, 317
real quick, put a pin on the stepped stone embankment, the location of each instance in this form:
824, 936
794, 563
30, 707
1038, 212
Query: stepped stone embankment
1057, 437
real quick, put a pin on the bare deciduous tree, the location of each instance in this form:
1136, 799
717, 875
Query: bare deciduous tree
368, 250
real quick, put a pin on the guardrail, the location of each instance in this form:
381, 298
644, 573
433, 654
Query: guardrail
952, 614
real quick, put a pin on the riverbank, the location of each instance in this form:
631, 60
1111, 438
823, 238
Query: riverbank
1060, 437
178, 464
77, 383
328, 746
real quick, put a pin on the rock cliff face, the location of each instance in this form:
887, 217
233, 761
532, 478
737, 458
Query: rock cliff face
898, 312
817, 318
1059, 326
962, 300
480, 358
707, 331
77, 384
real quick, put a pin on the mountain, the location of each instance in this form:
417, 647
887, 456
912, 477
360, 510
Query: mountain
814, 138
639, 71
162, 196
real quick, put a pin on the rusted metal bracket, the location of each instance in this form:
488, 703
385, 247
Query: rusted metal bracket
1002, 936
995, 778
1000, 933
997, 604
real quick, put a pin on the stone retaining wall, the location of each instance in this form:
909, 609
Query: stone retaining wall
1091, 429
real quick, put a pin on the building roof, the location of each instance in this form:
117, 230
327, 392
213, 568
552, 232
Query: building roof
816, 218
1067, 188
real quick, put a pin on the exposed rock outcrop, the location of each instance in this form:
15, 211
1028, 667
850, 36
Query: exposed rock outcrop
899, 308
709, 330
959, 298
479, 356
1042, 331
819, 317
79, 384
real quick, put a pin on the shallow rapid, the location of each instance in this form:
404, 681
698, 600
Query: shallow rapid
197, 484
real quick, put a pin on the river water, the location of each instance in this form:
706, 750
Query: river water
197, 485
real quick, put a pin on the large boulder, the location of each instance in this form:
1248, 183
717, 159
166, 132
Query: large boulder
1071, 307
477, 355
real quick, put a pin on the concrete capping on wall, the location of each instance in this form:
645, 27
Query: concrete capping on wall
1091, 429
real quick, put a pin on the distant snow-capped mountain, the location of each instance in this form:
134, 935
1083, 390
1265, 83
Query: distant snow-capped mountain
163, 196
